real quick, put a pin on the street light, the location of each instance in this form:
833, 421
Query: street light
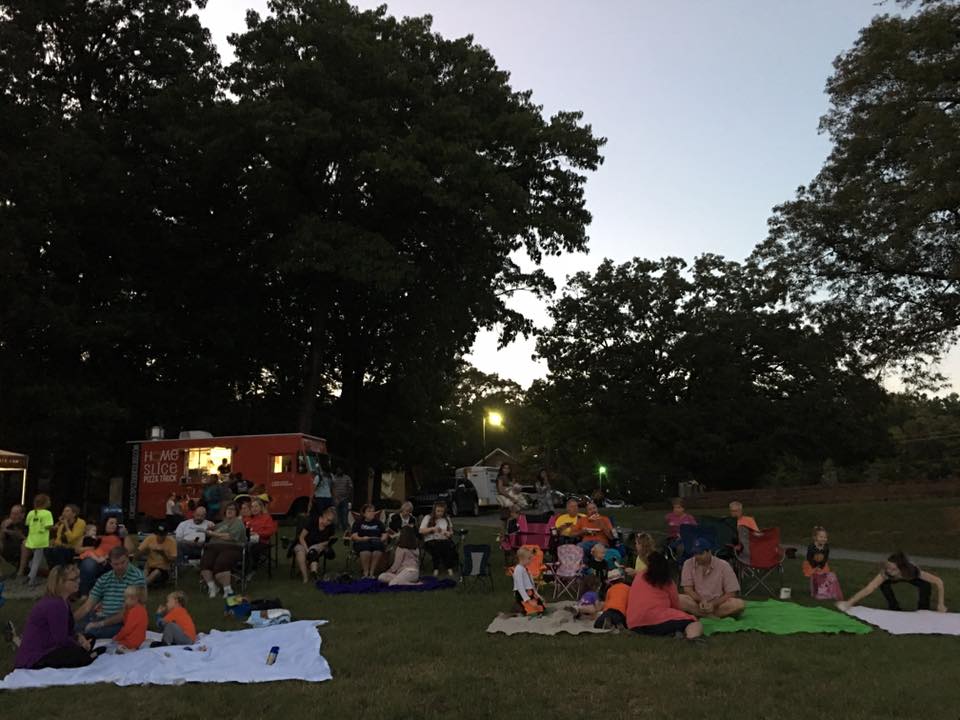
494, 419
601, 472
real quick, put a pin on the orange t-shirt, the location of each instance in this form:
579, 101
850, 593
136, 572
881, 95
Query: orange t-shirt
134, 630
181, 617
748, 522
107, 543
600, 523
617, 595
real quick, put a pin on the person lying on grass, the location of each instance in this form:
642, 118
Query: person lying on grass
528, 600
709, 584
369, 539
899, 569
654, 607
175, 622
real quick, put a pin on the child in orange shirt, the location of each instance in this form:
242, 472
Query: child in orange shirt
175, 622
134, 630
614, 613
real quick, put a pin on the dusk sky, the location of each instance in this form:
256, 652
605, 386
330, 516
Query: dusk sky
710, 110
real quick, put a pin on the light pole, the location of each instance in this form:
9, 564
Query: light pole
495, 419
601, 472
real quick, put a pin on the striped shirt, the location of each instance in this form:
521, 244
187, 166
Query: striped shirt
342, 487
109, 589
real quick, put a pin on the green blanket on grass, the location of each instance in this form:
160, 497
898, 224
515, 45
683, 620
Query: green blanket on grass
785, 618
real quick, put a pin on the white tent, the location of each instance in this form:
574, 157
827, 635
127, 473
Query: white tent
11, 461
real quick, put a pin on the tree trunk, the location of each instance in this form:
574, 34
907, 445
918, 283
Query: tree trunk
313, 372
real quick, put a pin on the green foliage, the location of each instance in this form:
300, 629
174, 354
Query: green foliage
658, 370
872, 243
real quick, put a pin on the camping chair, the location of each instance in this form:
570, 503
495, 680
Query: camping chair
476, 567
533, 533
567, 572
765, 560
725, 531
352, 559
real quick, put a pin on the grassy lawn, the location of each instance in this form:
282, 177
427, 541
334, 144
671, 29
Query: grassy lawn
428, 655
921, 527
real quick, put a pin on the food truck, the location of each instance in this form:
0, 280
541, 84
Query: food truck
282, 465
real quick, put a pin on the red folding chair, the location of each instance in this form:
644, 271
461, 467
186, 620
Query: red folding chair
761, 562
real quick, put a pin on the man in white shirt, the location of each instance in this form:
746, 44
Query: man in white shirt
192, 534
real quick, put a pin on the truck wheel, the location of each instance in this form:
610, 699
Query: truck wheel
454, 508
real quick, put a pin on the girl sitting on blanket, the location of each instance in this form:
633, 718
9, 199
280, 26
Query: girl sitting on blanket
823, 583
899, 569
406, 560
528, 600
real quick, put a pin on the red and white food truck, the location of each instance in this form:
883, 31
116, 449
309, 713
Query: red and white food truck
282, 464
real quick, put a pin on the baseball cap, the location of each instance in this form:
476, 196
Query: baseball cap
702, 544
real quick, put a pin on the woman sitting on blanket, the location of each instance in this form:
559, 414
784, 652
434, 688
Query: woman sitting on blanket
49, 639
899, 569
406, 560
369, 537
653, 607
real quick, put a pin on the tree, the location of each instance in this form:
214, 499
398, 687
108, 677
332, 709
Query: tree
873, 242
394, 173
659, 369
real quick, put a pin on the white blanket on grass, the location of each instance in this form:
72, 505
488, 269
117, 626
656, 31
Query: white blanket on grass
235, 656
921, 622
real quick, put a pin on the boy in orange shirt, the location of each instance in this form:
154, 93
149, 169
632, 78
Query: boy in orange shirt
134, 630
175, 622
614, 613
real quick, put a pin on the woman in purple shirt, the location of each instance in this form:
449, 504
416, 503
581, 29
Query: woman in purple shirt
49, 640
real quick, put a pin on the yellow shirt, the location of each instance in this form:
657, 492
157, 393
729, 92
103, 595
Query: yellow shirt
70, 538
567, 518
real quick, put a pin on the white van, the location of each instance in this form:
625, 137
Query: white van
484, 479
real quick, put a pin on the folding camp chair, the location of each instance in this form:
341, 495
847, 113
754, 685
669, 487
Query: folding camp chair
725, 532
764, 560
567, 572
532, 533
476, 567
689, 535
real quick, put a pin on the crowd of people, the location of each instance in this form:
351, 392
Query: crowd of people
643, 595
96, 590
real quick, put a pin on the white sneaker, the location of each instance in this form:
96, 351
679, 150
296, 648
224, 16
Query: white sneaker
213, 592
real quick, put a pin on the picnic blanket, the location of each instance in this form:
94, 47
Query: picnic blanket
785, 618
372, 585
234, 656
557, 619
921, 622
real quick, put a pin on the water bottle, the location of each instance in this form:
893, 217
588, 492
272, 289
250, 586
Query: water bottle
272, 655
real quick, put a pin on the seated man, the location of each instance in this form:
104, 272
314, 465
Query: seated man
192, 534
709, 584
108, 594
594, 528
567, 525
12, 533
736, 512
161, 552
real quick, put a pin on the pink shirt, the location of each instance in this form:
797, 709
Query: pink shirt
709, 581
651, 605
674, 522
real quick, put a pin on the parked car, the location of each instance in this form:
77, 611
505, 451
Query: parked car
459, 495
614, 503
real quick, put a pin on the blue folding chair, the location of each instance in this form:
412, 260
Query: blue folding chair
476, 567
